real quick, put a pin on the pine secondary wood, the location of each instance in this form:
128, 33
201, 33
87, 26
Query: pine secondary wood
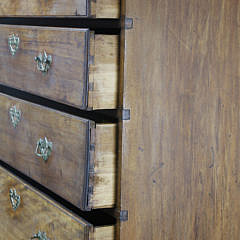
103, 173
104, 72
105, 8
82, 165
81, 8
67, 80
37, 213
180, 150
104, 233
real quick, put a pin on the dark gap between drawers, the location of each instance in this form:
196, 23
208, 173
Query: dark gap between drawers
99, 116
100, 26
99, 217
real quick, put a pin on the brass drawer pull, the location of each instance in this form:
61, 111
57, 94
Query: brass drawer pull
14, 198
44, 148
44, 62
13, 43
15, 116
41, 236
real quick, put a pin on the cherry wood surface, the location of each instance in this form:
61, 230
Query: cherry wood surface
104, 72
38, 213
180, 168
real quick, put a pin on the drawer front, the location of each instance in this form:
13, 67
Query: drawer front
26, 213
66, 77
57, 150
81, 8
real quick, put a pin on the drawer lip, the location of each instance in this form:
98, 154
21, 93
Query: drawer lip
80, 87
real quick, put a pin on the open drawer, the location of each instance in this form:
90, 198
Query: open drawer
28, 214
67, 65
72, 156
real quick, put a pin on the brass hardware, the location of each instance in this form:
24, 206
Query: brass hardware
15, 198
44, 62
13, 43
15, 115
44, 148
41, 236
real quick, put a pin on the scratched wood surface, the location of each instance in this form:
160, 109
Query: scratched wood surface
38, 213
80, 8
66, 172
180, 150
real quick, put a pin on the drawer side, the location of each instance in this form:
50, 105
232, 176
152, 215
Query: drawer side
104, 72
102, 174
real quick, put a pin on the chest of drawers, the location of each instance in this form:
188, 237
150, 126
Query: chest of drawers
58, 166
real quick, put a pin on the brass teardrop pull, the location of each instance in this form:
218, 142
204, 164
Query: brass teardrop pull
41, 236
14, 198
44, 148
13, 43
44, 62
15, 116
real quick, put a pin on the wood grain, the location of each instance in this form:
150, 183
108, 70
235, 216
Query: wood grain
81, 8
180, 154
104, 72
106, 8
103, 171
104, 233
67, 80
66, 172
38, 213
